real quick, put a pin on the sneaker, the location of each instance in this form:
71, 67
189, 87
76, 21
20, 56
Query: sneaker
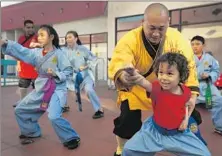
65, 109
117, 154
27, 137
72, 144
27, 141
218, 131
98, 114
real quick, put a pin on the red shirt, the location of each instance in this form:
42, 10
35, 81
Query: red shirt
26, 71
169, 108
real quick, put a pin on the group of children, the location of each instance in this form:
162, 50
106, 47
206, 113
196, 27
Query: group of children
166, 129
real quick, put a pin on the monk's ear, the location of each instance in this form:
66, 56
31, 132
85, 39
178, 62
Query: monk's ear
142, 21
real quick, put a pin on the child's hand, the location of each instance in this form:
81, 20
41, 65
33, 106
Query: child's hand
204, 75
135, 76
183, 125
51, 72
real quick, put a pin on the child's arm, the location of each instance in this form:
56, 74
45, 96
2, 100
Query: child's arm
187, 113
185, 121
191, 105
146, 85
139, 79
18, 51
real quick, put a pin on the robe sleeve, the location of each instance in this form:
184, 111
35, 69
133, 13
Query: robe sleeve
21, 53
122, 55
64, 69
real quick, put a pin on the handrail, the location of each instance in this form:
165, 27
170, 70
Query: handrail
5, 64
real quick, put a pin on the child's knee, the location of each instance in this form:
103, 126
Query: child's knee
89, 89
53, 116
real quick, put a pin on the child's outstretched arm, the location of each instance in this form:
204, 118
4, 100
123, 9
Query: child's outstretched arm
185, 121
138, 79
18, 51
191, 105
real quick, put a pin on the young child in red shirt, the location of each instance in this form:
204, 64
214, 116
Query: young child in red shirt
167, 129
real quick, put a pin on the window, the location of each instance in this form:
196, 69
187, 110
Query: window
85, 39
175, 17
121, 34
202, 14
128, 23
99, 48
99, 38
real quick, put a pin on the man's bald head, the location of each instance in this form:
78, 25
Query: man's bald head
156, 9
155, 23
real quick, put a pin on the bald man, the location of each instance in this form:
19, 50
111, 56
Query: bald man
139, 48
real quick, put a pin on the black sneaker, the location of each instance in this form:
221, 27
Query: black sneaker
98, 114
72, 144
65, 109
117, 154
27, 137
27, 141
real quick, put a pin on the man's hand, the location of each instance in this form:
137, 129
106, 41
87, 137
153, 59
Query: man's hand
130, 77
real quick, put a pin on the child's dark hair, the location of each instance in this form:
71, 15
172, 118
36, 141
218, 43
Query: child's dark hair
175, 59
198, 38
75, 34
52, 31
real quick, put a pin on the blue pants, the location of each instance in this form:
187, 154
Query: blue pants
27, 115
148, 141
216, 111
88, 85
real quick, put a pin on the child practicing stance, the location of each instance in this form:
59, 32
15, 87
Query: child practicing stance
208, 71
167, 129
50, 90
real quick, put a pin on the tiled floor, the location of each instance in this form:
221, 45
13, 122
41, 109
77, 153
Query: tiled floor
97, 138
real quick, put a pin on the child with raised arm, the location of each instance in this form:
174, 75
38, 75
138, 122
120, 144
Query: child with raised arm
50, 91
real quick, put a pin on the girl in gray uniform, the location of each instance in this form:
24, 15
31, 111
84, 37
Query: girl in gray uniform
79, 56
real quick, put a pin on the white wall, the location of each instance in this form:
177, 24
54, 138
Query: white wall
118, 9
18, 33
3, 35
86, 26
